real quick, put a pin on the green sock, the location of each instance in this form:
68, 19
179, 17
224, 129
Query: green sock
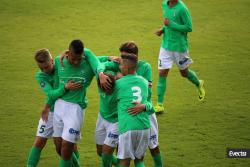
106, 160
139, 164
65, 163
161, 88
121, 166
75, 160
77, 154
115, 160
193, 78
34, 156
158, 160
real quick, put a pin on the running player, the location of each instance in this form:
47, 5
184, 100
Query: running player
174, 48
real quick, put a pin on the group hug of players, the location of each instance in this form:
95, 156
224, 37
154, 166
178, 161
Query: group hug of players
126, 119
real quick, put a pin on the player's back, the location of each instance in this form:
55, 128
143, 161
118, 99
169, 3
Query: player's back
129, 89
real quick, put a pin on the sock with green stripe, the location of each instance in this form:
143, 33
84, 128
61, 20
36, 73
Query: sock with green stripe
75, 160
157, 160
139, 164
161, 88
192, 77
77, 154
115, 160
106, 160
34, 156
65, 163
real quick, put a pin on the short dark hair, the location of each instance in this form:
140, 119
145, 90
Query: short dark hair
77, 46
42, 55
129, 47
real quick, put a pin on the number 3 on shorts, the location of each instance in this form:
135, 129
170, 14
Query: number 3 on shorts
137, 93
42, 129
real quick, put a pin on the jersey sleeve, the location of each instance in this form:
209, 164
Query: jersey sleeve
148, 77
103, 59
111, 65
94, 62
187, 22
51, 93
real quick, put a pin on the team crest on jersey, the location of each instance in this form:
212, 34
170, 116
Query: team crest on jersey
42, 84
174, 14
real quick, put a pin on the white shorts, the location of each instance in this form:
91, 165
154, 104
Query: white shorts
68, 119
166, 59
45, 129
153, 132
133, 144
106, 132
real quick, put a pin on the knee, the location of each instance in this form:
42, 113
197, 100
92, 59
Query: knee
184, 73
66, 151
40, 142
163, 73
99, 150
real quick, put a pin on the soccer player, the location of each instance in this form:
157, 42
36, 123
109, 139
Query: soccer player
143, 69
174, 48
133, 129
81, 65
48, 81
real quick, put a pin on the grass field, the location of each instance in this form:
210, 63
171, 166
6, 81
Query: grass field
191, 133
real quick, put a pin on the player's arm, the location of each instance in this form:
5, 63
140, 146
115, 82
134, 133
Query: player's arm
111, 65
98, 68
148, 77
187, 22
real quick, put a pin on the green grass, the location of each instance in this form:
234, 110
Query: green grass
191, 133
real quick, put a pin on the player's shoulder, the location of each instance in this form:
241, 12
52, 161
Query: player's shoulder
183, 6
87, 51
144, 64
140, 78
41, 75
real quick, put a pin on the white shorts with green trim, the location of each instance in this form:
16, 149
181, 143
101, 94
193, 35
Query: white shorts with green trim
106, 132
45, 129
68, 120
166, 59
133, 144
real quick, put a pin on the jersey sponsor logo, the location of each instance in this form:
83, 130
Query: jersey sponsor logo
184, 60
42, 84
113, 136
74, 132
153, 137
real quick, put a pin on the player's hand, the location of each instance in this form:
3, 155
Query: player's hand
62, 56
105, 81
115, 59
45, 113
159, 32
72, 85
136, 109
166, 21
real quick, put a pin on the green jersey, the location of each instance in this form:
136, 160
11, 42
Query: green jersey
128, 89
82, 73
175, 34
143, 69
50, 85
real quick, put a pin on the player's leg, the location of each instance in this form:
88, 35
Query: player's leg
110, 143
72, 119
35, 152
183, 61
100, 135
140, 144
164, 65
44, 131
125, 149
153, 142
